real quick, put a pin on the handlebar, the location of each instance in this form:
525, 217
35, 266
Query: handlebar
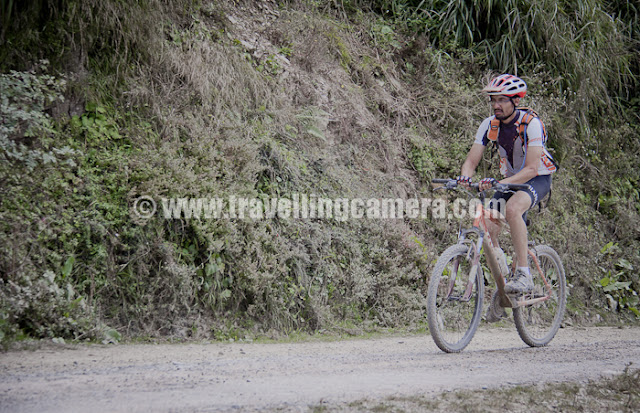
452, 183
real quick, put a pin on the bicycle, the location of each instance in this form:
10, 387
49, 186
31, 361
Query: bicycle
456, 287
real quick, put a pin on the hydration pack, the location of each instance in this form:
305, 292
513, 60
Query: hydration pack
521, 125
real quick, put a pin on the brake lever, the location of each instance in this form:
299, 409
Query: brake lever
452, 184
500, 187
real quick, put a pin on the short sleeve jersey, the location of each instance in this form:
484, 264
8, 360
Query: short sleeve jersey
511, 147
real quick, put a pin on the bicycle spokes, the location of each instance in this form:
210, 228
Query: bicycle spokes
539, 313
460, 279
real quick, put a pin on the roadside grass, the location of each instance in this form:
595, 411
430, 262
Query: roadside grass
619, 393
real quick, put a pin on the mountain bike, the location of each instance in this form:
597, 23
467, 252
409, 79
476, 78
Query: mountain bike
456, 287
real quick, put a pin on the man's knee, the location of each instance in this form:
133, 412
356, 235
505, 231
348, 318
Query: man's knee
513, 212
516, 209
493, 227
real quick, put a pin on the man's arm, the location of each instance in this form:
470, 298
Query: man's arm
530, 169
473, 159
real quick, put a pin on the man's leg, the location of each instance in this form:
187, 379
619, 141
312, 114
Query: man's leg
498, 202
521, 281
517, 205
494, 230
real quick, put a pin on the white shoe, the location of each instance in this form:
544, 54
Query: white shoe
520, 283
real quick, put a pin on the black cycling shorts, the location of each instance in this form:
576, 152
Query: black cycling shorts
539, 187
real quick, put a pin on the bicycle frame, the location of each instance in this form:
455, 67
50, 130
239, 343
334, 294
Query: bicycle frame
480, 228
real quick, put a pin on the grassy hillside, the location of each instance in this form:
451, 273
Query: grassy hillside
261, 100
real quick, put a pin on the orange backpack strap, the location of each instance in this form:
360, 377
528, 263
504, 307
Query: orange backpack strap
492, 134
529, 115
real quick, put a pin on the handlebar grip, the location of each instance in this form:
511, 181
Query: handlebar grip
517, 186
440, 181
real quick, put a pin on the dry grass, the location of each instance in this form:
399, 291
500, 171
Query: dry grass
619, 393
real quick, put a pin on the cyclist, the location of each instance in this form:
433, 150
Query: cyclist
523, 160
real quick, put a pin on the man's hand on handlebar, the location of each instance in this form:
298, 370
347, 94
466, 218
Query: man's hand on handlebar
487, 183
483, 185
464, 181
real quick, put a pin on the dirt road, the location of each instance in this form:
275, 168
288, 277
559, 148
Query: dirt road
293, 376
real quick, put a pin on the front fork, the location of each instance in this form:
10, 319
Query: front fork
475, 248
492, 262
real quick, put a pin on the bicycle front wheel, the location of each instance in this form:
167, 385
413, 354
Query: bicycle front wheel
538, 323
454, 299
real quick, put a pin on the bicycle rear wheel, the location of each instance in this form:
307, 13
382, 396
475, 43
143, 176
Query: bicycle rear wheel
454, 302
538, 323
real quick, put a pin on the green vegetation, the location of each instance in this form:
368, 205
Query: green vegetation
107, 101
587, 48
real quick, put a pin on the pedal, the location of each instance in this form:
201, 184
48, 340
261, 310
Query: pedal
524, 299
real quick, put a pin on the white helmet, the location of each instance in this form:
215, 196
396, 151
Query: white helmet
507, 85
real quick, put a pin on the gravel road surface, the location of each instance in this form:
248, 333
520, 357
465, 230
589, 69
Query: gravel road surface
293, 376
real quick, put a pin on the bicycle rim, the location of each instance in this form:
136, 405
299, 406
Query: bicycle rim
537, 324
452, 316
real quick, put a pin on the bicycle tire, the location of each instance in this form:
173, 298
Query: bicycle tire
537, 324
453, 322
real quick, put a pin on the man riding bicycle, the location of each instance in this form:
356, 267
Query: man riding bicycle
520, 138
